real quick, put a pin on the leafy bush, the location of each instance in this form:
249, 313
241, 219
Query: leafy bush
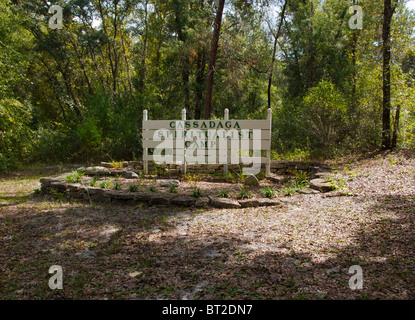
244, 193
172, 188
223, 194
268, 192
197, 193
326, 113
132, 188
74, 177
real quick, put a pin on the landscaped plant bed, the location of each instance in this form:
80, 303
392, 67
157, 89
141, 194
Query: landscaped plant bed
121, 185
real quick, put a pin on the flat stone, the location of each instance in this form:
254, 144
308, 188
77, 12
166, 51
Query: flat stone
143, 196
308, 191
261, 202
119, 195
275, 178
168, 183
224, 203
321, 185
202, 202
130, 175
251, 180
181, 200
161, 198
47, 181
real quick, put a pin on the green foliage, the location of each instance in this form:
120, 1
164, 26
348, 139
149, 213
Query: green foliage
172, 188
152, 189
132, 188
197, 193
223, 194
325, 112
75, 176
116, 186
244, 193
301, 177
268, 192
93, 181
15, 133
105, 184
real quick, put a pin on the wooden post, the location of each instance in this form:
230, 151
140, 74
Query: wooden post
268, 166
225, 166
145, 161
184, 150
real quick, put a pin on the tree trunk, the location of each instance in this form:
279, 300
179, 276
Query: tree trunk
396, 127
212, 60
386, 104
274, 51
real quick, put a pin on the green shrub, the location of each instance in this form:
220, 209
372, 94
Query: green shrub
172, 188
244, 193
93, 181
268, 192
326, 113
223, 194
132, 187
197, 193
74, 177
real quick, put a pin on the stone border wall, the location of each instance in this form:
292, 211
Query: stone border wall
77, 191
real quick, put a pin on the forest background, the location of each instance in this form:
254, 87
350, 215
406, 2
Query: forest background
77, 94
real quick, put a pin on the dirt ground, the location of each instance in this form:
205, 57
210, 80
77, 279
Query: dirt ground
300, 250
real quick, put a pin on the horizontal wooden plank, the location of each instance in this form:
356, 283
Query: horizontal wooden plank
175, 160
264, 144
207, 124
149, 134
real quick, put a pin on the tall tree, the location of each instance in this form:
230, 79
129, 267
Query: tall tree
386, 103
212, 60
274, 51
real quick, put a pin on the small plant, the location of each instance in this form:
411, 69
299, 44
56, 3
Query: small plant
104, 184
287, 191
268, 192
152, 189
160, 171
336, 184
132, 188
116, 186
223, 194
230, 176
172, 188
116, 164
240, 176
244, 194
74, 177
197, 193
301, 177
93, 181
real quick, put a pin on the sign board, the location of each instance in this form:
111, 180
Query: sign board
208, 142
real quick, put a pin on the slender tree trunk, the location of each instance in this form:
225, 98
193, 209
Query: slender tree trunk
200, 77
386, 104
396, 127
310, 62
274, 51
212, 60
